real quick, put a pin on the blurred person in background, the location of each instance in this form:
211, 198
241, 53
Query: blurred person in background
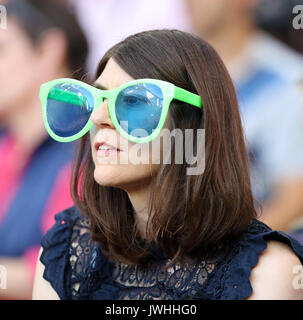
265, 72
125, 18
42, 41
278, 17
281, 18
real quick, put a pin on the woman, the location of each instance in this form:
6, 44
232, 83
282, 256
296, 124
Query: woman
148, 229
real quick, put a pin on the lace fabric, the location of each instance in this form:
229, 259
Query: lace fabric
135, 282
79, 251
77, 268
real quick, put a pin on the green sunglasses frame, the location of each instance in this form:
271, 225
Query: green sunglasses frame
169, 90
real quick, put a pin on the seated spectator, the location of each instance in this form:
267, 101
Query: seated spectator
95, 16
265, 72
42, 41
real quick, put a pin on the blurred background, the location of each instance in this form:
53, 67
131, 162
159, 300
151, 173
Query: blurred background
44, 40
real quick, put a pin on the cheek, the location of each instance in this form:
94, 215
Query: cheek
17, 80
137, 162
17, 59
132, 167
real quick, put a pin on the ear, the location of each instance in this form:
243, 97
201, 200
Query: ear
52, 51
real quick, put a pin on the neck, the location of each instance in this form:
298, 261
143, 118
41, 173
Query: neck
139, 197
230, 40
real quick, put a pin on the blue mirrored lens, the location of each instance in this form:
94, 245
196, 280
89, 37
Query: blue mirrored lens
68, 109
139, 108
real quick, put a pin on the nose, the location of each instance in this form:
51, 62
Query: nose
100, 116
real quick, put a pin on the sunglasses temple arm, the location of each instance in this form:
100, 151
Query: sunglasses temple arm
187, 97
66, 96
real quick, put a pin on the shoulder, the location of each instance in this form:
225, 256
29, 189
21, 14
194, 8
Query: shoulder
66, 219
262, 264
59, 244
274, 276
276, 257
61, 230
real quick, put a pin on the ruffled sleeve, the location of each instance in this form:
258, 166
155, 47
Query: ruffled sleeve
55, 254
245, 257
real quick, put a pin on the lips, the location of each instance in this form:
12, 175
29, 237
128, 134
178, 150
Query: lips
105, 146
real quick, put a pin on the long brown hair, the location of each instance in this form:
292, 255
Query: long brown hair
191, 215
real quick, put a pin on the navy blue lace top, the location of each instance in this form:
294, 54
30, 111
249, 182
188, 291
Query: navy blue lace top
77, 269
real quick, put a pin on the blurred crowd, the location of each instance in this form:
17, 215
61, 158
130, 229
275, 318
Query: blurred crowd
45, 40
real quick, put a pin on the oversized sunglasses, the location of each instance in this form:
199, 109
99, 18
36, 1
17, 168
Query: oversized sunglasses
137, 109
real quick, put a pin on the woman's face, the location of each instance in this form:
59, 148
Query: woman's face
17, 69
126, 165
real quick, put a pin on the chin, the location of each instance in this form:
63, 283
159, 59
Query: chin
108, 175
122, 177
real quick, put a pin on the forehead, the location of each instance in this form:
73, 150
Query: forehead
113, 76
